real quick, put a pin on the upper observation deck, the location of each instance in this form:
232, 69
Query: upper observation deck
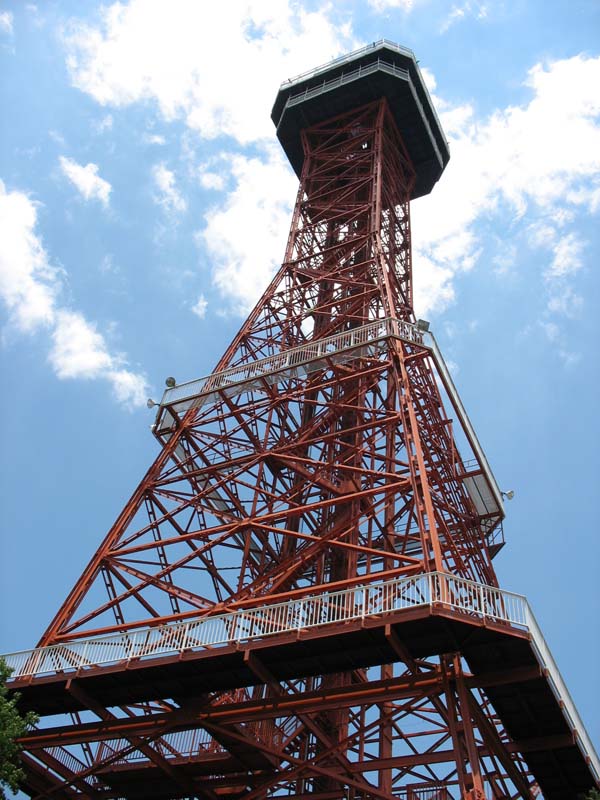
382, 69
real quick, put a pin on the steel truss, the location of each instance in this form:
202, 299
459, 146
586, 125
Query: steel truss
298, 481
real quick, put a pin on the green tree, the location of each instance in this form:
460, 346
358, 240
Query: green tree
593, 794
12, 725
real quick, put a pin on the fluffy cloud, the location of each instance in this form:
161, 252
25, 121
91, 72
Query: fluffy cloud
211, 180
383, 5
246, 235
30, 288
171, 51
168, 196
104, 124
154, 138
541, 157
6, 22
86, 180
200, 306
502, 166
460, 12
28, 283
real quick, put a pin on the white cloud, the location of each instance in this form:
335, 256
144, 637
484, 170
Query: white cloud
199, 308
567, 257
432, 286
212, 180
103, 124
496, 170
108, 266
168, 51
29, 285
555, 336
456, 14
6, 22
383, 5
154, 138
245, 236
30, 288
130, 388
541, 157
471, 8
86, 180
565, 302
78, 350
168, 195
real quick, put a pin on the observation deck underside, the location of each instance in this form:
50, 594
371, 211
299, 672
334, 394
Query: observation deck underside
422, 616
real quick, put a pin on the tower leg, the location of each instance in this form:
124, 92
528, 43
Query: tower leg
461, 729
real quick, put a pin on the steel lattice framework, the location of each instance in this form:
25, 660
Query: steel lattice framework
318, 460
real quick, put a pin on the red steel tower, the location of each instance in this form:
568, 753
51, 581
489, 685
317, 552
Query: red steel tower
299, 600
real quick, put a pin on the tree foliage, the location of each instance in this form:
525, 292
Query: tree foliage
12, 725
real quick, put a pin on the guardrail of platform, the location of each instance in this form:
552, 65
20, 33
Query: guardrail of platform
561, 693
347, 58
246, 624
294, 357
359, 602
346, 77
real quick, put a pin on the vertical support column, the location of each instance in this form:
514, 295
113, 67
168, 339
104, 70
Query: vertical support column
462, 730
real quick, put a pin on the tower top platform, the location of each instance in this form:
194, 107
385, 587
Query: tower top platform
381, 69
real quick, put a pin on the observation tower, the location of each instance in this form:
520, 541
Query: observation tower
299, 600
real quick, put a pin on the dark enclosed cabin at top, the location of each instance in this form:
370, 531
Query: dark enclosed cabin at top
382, 69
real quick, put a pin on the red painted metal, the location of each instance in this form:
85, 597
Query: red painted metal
330, 476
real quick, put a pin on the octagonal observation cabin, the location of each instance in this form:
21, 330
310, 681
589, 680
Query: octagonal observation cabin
381, 69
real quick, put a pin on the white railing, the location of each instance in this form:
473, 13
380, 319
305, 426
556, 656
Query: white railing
246, 624
480, 602
347, 58
468, 428
346, 77
561, 693
293, 358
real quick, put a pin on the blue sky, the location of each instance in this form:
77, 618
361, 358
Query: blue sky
145, 202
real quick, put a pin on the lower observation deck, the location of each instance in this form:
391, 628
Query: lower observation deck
430, 614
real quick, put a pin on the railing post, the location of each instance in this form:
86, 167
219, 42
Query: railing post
84, 653
184, 638
430, 584
481, 601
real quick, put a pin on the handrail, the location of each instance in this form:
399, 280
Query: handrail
454, 396
246, 624
481, 602
348, 58
294, 357
346, 77
560, 691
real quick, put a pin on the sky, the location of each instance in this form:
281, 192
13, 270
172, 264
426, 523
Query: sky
145, 203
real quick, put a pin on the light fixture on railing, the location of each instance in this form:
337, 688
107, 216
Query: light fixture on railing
423, 325
151, 403
170, 382
507, 495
